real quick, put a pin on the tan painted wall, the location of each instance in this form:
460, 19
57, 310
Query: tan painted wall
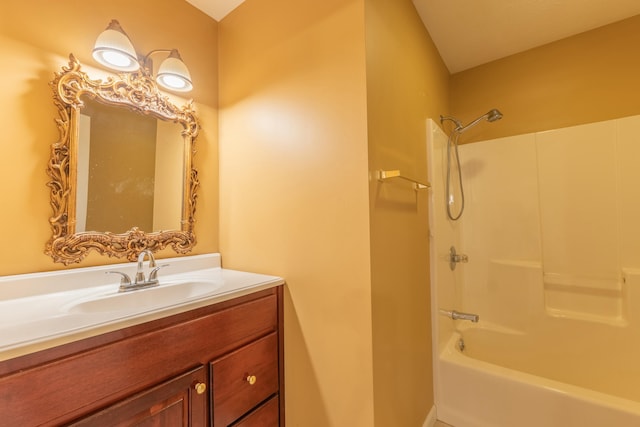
294, 190
35, 40
589, 77
407, 82
300, 131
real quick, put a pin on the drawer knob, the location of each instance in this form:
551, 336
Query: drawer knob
200, 388
251, 379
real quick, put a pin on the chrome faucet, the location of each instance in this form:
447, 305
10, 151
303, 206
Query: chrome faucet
140, 272
456, 315
140, 282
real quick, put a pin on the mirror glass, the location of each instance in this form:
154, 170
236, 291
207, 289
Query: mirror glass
122, 174
130, 170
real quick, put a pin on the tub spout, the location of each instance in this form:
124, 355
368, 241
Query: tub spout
456, 315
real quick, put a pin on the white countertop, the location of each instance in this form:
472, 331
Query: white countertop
43, 310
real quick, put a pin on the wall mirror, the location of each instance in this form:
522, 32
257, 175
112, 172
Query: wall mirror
122, 174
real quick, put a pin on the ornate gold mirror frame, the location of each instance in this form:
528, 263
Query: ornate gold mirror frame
136, 92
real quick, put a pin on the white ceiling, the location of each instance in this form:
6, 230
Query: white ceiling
473, 32
217, 9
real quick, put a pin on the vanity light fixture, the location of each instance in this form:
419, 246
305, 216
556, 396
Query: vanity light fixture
173, 73
114, 50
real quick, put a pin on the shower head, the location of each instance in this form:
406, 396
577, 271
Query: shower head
493, 115
490, 116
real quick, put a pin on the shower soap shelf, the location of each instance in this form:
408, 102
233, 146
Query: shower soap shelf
385, 175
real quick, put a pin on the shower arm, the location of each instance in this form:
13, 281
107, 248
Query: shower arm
461, 129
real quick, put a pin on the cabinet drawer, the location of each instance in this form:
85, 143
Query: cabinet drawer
266, 415
243, 379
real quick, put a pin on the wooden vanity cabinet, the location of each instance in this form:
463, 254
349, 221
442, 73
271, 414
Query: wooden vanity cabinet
220, 365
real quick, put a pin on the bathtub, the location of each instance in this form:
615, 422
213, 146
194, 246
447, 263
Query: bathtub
506, 378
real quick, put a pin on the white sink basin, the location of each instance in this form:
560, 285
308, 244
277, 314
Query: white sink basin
164, 295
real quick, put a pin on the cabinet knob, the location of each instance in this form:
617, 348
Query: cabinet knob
200, 388
251, 379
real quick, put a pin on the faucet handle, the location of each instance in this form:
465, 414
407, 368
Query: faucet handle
153, 274
125, 280
455, 258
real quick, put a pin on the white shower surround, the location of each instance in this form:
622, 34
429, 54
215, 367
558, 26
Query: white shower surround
552, 251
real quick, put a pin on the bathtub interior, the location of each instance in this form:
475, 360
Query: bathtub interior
551, 232
481, 394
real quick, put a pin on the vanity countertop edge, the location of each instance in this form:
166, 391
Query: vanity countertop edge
61, 288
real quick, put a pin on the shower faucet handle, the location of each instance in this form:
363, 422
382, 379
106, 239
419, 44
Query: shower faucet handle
455, 258
460, 258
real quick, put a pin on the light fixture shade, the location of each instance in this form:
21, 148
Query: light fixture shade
113, 49
173, 74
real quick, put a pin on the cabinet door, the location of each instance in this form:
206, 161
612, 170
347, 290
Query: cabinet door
179, 402
244, 379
